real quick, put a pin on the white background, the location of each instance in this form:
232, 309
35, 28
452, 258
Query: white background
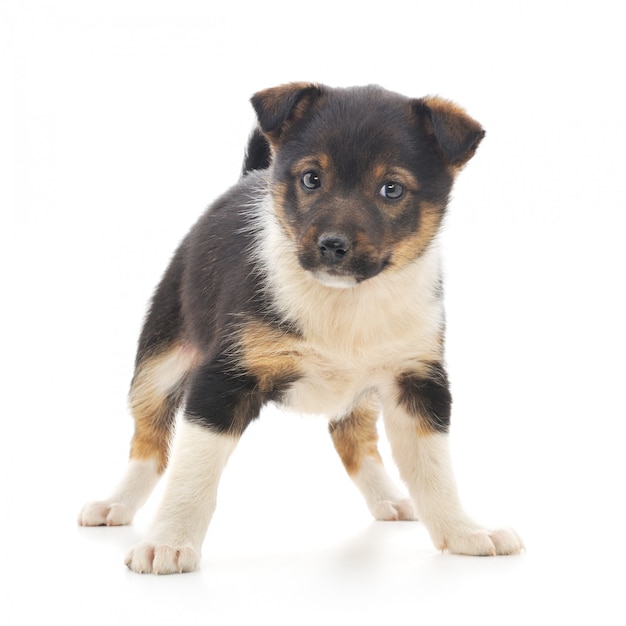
121, 120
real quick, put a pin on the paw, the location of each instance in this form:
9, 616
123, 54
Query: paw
106, 513
481, 542
147, 558
393, 510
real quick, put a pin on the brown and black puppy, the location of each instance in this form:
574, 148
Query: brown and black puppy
314, 283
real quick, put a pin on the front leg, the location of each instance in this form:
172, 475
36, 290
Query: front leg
219, 406
174, 541
417, 419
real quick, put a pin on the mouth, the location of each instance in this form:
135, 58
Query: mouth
345, 278
332, 278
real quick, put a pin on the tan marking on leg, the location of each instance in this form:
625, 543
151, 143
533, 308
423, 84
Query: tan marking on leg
154, 397
271, 355
355, 437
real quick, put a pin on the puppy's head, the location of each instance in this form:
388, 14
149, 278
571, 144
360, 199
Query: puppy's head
361, 176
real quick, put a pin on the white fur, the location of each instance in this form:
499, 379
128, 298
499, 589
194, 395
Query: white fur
339, 282
137, 484
169, 371
383, 498
174, 541
161, 375
425, 466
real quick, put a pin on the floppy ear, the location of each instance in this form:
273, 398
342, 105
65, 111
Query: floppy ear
457, 134
281, 107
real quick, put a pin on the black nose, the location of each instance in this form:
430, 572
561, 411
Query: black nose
333, 248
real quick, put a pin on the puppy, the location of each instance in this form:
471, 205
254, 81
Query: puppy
313, 283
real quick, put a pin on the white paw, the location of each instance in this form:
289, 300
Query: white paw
480, 542
393, 510
106, 513
147, 558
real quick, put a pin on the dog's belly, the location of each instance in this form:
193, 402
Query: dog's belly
334, 377
333, 382
329, 393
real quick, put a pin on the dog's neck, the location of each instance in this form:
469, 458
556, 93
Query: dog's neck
402, 306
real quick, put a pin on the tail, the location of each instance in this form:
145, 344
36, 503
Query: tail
258, 153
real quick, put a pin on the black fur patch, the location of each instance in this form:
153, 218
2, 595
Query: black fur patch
427, 397
222, 401
163, 322
227, 400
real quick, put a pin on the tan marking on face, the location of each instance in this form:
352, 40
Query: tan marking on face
324, 162
383, 173
154, 396
409, 248
365, 246
355, 437
379, 171
319, 161
279, 192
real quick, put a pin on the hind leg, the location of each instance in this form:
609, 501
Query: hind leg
355, 438
155, 395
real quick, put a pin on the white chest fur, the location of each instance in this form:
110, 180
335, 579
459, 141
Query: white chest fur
354, 338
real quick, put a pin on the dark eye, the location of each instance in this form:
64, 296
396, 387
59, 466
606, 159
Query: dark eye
311, 180
392, 190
